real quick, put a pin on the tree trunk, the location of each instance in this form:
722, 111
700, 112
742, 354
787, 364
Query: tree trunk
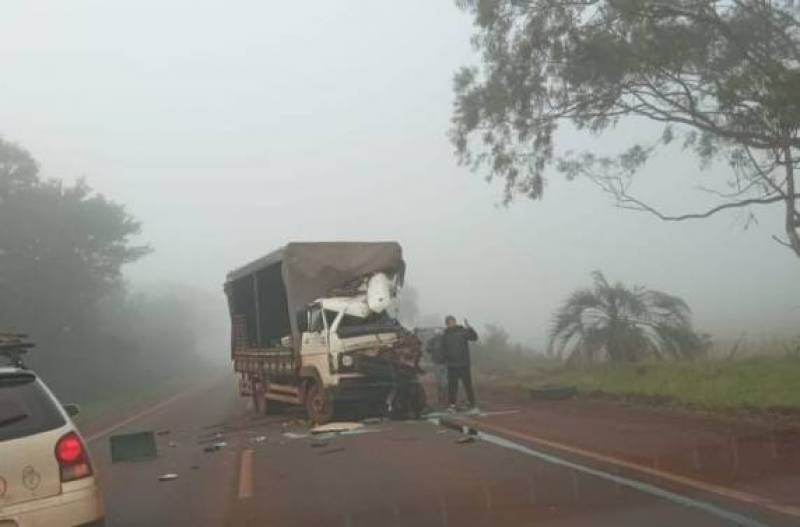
792, 213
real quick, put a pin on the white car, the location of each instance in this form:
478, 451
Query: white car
46, 476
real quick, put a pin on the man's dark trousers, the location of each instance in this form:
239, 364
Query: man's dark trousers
464, 374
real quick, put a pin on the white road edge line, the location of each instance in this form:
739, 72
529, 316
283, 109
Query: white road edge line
647, 488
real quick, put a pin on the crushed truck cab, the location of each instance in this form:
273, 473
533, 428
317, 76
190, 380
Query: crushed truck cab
311, 326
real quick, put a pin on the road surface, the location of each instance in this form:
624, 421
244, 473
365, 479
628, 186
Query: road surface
393, 474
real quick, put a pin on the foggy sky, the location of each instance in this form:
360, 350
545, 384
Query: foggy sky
230, 128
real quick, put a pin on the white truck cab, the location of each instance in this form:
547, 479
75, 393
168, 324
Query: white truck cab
311, 326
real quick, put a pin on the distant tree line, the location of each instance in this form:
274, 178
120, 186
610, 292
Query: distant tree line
496, 351
62, 251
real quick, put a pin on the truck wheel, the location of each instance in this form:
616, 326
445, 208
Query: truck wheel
319, 404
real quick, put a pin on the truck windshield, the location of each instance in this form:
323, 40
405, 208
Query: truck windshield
381, 319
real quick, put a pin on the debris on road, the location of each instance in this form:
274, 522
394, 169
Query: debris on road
372, 420
294, 435
140, 446
466, 439
336, 427
216, 437
215, 446
319, 442
258, 439
501, 412
167, 477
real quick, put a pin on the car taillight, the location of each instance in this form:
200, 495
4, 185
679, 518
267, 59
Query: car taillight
73, 460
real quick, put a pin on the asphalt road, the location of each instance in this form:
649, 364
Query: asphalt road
394, 473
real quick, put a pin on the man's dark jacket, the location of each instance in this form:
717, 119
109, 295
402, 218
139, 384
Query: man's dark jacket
455, 342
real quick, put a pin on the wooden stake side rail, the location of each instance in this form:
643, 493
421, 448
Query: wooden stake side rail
277, 362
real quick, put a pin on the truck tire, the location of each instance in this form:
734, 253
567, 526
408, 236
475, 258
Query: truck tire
319, 404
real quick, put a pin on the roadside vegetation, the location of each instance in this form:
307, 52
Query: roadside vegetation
63, 248
637, 344
762, 384
618, 323
736, 375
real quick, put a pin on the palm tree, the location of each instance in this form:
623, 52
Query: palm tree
623, 324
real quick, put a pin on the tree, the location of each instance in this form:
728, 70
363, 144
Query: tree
62, 248
721, 77
623, 324
496, 351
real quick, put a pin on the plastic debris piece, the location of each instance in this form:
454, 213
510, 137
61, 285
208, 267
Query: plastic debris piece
139, 446
336, 427
213, 447
259, 439
167, 477
359, 431
319, 442
465, 439
501, 412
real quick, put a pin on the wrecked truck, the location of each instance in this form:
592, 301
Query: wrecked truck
311, 326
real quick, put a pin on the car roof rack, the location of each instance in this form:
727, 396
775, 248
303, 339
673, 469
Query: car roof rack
13, 346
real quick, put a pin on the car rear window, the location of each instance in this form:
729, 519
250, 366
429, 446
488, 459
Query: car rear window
25, 407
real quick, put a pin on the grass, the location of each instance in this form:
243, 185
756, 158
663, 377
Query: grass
750, 384
144, 394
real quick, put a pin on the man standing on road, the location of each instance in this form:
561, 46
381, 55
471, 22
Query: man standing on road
455, 342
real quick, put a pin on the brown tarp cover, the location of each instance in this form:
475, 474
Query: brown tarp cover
310, 270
